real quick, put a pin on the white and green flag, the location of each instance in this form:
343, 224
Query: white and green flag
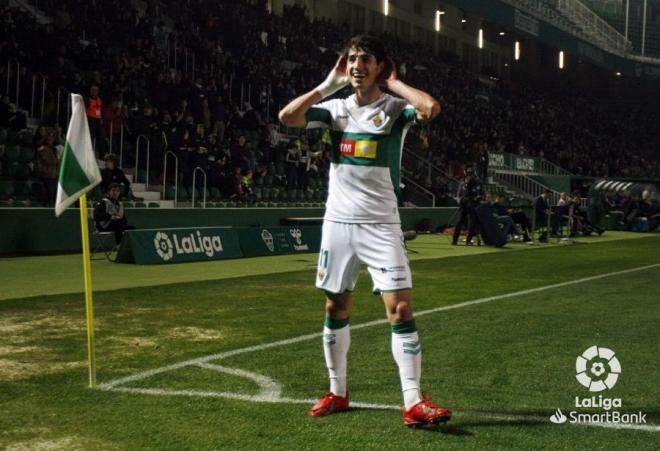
79, 171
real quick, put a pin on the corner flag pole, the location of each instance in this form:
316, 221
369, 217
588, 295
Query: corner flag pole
89, 299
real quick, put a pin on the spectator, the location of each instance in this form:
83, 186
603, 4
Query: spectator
47, 169
17, 119
293, 156
240, 153
112, 175
94, 111
222, 177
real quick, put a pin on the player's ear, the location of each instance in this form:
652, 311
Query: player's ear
381, 70
385, 69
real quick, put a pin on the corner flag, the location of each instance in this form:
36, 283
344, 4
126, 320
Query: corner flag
79, 171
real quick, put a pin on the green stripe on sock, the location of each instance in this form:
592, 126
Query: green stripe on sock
405, 327
335, 323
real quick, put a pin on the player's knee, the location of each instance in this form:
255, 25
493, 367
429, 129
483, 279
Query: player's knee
403, 310
336, 304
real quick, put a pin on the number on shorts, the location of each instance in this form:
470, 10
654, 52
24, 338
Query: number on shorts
323, 258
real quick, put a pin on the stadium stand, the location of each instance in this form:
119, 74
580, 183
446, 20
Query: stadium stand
194, 77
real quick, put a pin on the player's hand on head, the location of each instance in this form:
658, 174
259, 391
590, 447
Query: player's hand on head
336, 79
389, 72
340, 65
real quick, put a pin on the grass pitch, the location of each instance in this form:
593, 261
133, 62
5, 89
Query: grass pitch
505, 365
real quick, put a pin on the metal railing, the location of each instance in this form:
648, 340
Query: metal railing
431, 168
35, 77
137, 159
14, 87
595, 26
419, 191
176, 176
548, 11
121, 143
547, 167
525, 185
194, 186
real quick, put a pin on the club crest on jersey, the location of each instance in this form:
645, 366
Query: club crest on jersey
358, 148
377, 120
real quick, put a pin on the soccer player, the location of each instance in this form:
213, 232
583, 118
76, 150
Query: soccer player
361, 222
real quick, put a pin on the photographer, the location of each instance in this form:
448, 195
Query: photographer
470, 192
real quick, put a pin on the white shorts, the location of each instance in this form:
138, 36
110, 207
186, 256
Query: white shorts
379, 246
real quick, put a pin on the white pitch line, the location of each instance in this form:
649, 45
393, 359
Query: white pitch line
269, 388
364, 405
115, 385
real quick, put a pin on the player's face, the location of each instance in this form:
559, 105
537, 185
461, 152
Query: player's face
362, 68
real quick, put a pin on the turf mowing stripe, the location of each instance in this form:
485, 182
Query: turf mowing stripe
288, 341
114, 385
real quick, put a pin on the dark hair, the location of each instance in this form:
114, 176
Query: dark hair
113, 186
110, 157
370, 44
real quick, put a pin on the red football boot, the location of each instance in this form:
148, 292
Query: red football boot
425, 413
329, 404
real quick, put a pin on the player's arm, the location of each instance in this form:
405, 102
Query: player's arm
294, 114
426, 106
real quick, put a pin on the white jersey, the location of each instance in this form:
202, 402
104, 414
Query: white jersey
367, 143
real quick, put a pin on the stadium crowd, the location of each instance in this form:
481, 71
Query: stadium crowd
205, 80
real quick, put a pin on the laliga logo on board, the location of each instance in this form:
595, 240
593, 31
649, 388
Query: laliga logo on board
163, 246
193, 243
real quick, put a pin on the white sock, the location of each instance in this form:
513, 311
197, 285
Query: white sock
336, 341
407, 352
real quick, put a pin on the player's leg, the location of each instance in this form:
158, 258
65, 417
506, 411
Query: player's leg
338, 269
381, 248
407, 351
406, 348
337, 339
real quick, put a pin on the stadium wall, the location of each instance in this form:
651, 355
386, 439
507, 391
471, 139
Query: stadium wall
37, 231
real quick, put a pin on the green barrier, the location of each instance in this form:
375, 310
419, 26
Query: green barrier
157, 246
38, 231
260, 241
